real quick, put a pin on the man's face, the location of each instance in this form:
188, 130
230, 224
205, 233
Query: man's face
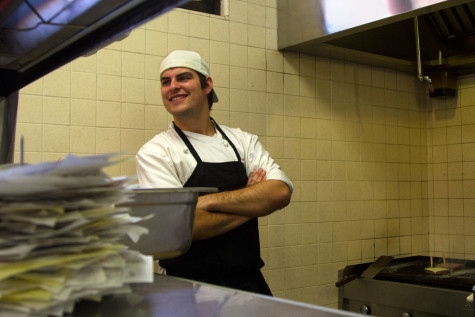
182, 94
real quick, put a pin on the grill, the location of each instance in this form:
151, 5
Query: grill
404, 288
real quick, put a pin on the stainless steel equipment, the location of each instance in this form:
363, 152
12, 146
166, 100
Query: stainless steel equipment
170, 228
404, 288
37, 37
381, 32
172, 296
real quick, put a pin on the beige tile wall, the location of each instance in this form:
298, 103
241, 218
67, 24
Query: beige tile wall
375, 172
452, 172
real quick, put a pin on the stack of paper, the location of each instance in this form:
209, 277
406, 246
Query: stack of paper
60, 233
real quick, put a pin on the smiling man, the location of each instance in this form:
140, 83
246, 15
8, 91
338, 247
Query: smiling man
196, 152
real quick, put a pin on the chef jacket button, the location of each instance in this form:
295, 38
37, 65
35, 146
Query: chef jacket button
225, 143
185, 150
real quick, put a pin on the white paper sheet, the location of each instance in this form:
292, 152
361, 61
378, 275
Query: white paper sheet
59, 229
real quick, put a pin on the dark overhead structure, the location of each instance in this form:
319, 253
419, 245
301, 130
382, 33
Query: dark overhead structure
39, 36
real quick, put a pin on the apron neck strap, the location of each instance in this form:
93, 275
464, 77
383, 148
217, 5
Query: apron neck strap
187, 142
227, 139
192, 149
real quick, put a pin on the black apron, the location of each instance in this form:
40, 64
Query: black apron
232, 259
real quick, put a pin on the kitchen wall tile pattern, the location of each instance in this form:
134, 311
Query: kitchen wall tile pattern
379, 168
451, 172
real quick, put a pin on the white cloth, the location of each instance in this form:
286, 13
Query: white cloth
166, 162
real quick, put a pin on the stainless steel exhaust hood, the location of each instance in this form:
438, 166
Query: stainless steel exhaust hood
39, 36
382, 32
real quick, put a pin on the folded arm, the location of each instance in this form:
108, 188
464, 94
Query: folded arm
256, 200
212, 224
219, 213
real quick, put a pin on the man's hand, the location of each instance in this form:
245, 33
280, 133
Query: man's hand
256, 177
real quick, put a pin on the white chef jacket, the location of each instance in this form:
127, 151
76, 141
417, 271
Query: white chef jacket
166, 162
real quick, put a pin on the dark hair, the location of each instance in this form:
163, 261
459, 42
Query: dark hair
204, 84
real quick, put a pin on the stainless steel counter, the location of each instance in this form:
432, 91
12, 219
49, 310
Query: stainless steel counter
170, 296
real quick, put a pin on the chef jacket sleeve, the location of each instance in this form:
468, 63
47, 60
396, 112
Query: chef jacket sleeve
155, 170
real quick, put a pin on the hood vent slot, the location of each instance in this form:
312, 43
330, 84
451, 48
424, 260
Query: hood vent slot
453, 22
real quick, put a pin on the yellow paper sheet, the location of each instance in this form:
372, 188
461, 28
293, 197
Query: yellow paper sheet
36, 294
14, 268
54, 280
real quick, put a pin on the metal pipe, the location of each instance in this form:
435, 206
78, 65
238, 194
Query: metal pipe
421, 77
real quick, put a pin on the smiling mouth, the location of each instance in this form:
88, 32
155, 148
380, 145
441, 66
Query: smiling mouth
180, 97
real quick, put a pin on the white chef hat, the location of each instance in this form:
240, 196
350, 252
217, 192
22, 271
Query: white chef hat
188, 59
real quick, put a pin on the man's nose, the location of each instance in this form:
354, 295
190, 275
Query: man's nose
174, 84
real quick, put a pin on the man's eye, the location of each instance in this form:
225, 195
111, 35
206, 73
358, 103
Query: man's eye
182, 78
165, 82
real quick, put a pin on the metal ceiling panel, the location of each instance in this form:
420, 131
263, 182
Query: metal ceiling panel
38, 36
383, 31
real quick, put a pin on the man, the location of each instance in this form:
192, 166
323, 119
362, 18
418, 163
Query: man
196, 152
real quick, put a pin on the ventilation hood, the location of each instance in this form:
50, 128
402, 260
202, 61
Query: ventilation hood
38, 36
382, 32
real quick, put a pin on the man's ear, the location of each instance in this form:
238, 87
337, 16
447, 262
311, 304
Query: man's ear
209, 82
